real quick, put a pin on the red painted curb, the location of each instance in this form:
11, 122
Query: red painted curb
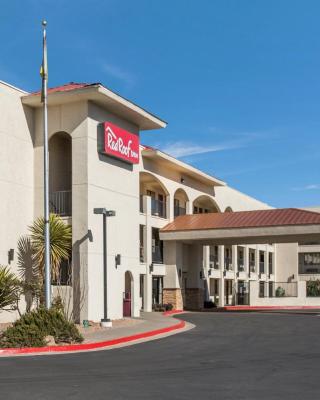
91, 346
257, 308
172, 312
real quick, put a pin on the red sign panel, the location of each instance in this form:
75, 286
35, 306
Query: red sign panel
120, 143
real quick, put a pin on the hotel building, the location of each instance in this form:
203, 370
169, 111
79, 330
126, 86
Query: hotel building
96, 160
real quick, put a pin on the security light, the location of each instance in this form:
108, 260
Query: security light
118, 259
99, 211
104, 211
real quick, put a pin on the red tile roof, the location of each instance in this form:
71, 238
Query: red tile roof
243, 219
67, 87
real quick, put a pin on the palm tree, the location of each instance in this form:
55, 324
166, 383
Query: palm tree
10, 289
60, 243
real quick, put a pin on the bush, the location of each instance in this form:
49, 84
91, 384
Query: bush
280, 292
10, 289
32, 329
162, 307
313, 288
209, 304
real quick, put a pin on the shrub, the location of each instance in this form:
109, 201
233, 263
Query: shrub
162, 307
280, 292
10, 290
32, 329
158, 307
313, 288
209, 304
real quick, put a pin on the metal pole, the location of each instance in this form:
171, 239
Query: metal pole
105, 317
46, 172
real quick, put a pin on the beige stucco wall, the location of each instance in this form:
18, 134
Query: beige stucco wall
299, 301
16, 174
71, 119
286, 259
113, 184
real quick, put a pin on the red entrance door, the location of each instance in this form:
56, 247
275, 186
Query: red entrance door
127, 304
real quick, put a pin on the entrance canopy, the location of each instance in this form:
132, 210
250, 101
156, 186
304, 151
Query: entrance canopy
246, 227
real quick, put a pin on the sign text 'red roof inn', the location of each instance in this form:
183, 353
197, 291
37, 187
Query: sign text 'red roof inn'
120, 143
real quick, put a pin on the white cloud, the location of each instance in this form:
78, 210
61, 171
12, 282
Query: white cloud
118, 73
184, 149
312, 186
190, 148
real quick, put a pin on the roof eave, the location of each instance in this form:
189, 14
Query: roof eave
104, 97
194, 172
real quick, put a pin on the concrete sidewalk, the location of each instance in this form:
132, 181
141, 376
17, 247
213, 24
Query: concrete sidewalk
125, 332
149, 321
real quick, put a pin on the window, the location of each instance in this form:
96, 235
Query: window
261, 260
141, 237
309, 263
252, 260
261, 289
240, 259
157, 247
270, 263
141, 289
271, 289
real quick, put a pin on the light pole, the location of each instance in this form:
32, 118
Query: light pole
105, 321
44, 100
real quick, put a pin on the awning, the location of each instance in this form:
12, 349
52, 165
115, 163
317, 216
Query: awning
245, 227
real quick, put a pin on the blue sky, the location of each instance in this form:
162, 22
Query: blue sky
238, 81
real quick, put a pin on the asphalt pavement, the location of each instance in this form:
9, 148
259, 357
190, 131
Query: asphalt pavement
226, 356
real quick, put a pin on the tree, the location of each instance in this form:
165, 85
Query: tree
60, 243
10, 290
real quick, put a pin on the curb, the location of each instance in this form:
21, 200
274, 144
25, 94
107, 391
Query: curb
92, 346
262, 308
173, 312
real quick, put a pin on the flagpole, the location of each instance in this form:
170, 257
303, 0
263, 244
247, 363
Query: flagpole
46, 170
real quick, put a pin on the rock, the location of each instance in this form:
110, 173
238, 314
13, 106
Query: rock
50, 340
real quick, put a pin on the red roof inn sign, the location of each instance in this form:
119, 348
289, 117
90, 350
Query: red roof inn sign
120, 143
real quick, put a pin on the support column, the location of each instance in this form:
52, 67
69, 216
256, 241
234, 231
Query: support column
173, 259
147, 295
189, 209
235, 259
266, 262
170, 208
221, 281
257, 260
246, 260
195, 288
206, 267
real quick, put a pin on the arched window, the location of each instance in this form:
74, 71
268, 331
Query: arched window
204, 204
151, 186
180, 202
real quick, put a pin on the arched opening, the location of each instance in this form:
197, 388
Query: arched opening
204, 204
152, 187
228, 209
128, 294
180, 202
60, 174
